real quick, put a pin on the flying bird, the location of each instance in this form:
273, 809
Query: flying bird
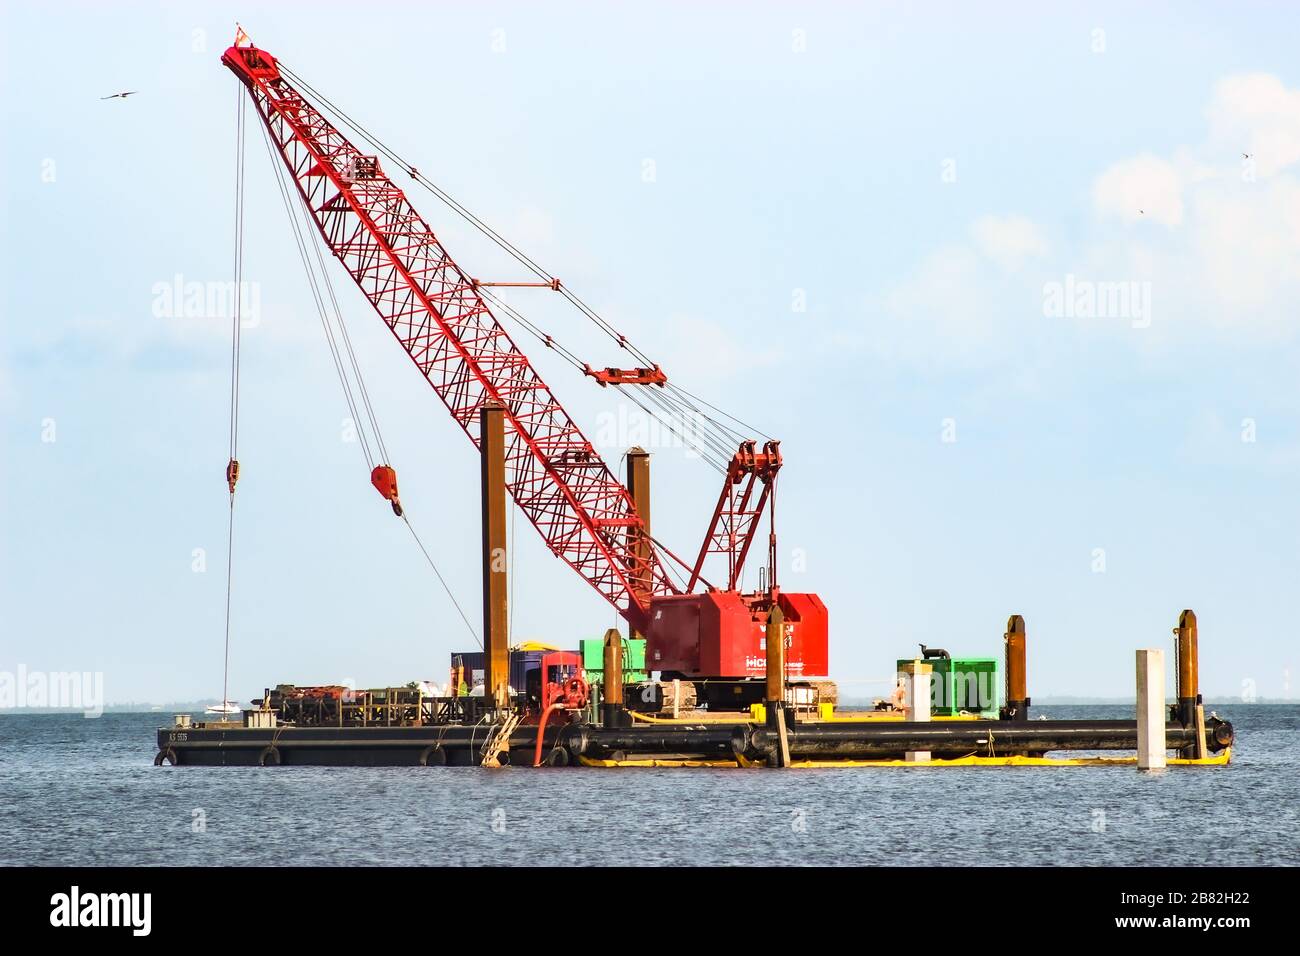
1245, 155
119, 96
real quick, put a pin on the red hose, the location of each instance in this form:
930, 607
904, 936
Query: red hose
541, 727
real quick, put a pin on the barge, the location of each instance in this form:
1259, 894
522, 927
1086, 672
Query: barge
721, 675
334, 726
704, 743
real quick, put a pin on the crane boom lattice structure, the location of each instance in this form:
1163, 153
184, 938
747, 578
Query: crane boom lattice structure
441, 317
435, 311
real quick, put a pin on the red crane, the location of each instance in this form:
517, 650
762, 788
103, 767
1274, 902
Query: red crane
554, 474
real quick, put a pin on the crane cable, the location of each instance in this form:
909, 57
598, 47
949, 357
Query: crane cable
343, 333
441, 580
301, 242
722, 437
718, 447
519, 256
673, 414
550, 342
305, 233
716, 439
232, 467
749, 429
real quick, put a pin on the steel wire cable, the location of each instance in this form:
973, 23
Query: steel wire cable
748, 428
339, 367
708, 457
681, 411
328, 282
441, 580
673, 413
470, 217
547, 340
321, 311
573, 360
237, 318
529, 264
719, 439
521, 257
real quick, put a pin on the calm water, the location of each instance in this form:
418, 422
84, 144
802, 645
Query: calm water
77, 791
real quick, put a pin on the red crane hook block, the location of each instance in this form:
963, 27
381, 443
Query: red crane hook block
232, 474
384, 478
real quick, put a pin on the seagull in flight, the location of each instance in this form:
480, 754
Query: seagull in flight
119, 96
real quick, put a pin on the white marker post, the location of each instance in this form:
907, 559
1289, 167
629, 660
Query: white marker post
916, 681
1151, 708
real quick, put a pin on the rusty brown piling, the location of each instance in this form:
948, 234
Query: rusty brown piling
496, 637
775, 641
1189, 694
638, 486
1016, 706
774, 695
612, 678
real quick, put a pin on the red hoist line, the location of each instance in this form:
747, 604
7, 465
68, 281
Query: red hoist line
435, 311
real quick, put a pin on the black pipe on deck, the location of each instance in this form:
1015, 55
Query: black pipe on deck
702, 740
984, 738
878, 739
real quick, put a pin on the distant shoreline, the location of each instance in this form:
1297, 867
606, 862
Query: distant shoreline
848, 704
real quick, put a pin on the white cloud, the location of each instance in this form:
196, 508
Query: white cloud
716, 352
1222, 266
1245, 254
1256, 114
1231, 259
1009, 241
951, 308
1145, 187
962, 296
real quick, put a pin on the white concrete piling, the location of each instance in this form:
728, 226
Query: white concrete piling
1151, 708
917, 677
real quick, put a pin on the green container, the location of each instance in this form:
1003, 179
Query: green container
964, 685
593, 658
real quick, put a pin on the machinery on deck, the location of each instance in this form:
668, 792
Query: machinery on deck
446, 322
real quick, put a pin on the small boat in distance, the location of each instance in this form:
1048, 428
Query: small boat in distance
226, 708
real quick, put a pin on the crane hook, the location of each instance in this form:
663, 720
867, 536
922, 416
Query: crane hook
384, 478
232, 474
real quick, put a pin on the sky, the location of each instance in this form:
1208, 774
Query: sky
1015, 286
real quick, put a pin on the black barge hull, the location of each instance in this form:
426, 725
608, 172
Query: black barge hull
429, 746
462, 745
